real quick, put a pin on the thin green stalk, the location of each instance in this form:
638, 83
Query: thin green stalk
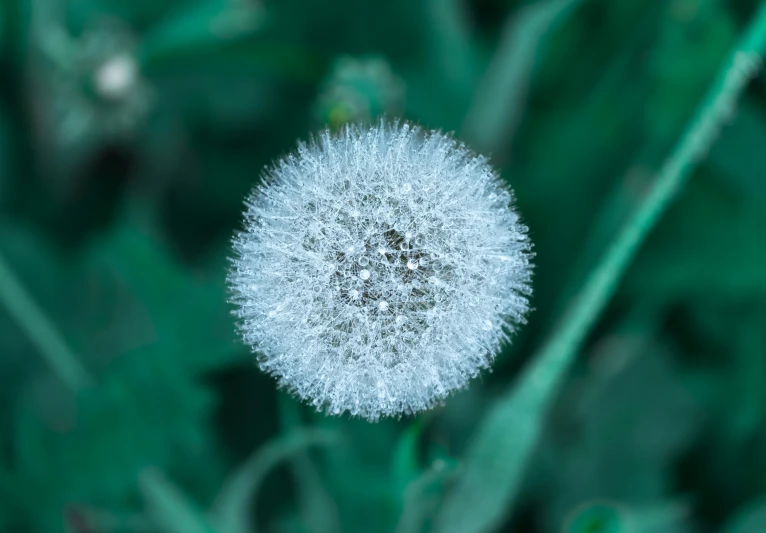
500, 96
505, 439
317, 509
172, 510
231, 509
40, 330
717, 107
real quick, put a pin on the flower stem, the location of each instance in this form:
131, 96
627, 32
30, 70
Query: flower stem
693, 147
504, 441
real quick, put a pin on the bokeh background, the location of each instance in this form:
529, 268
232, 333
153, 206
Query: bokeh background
130, 133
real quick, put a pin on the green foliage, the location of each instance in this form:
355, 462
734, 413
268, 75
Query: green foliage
231, 508
499, 99
736, 157
172, 512
127, 404
749, 519
513, 425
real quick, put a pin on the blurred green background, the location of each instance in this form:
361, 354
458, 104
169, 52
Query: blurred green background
130, 133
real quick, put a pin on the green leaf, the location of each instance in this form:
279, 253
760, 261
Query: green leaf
499, 98
6, 163
597, 517
666, 517
626, 421
601, 516
451, 48
366, 455
751, 518
231, 509
40, 329
171, 509
404, 465
207, 23
738, 158
708, 246
497, 457
160, 301
142, 413
318, 511
423, 495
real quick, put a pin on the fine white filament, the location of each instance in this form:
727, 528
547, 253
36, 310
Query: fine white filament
380, 270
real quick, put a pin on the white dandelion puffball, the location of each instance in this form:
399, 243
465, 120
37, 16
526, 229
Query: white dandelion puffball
380, 270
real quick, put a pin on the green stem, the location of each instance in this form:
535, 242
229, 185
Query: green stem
693, 147
500, 96
40, 330
497, 456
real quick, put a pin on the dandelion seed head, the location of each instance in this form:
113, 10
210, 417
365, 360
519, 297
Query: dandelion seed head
429, 270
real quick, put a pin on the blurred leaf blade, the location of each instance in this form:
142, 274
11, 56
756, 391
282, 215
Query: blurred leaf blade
170, 508
497, 456
208, 23
499, 99
422, 495
41, 331
751, 518
405, 464
231, 507
317, 508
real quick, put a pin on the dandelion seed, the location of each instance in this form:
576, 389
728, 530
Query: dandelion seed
430, 279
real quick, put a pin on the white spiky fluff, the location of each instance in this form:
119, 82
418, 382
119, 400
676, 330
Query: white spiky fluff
380, 270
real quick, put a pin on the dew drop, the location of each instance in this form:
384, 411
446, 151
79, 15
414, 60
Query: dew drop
363, 261
433, 280
400, 319
406, 187
383, 306
354, 294
412, 265
364, 274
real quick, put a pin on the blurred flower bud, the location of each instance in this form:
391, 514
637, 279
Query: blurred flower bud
358, 90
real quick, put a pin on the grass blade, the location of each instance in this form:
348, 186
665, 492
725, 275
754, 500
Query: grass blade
497, 456
207, 24
316, 508
751, 518
499, 100
231, 510
170, 508
422, 495
40, 330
